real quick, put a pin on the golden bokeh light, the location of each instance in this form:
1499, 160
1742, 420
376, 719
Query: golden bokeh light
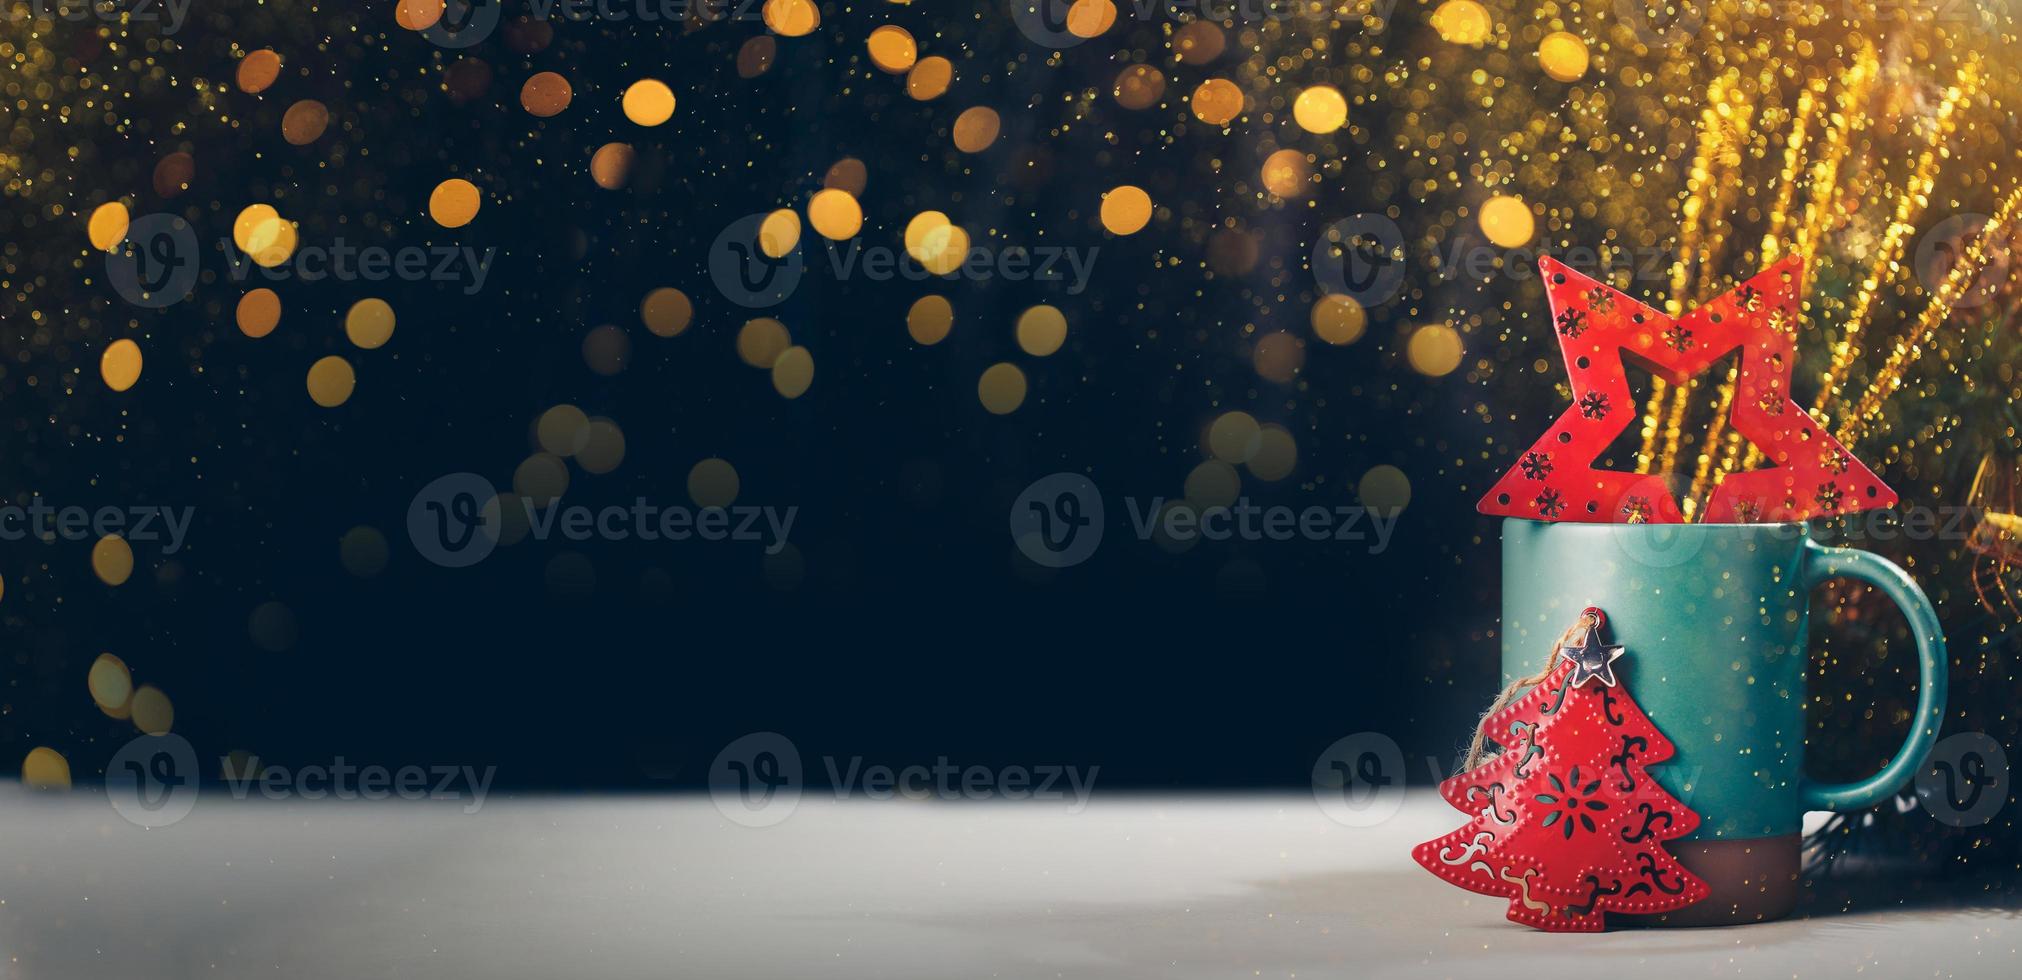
363, 551
666, 312
1198, 42
606, 350
45, 768
1385, 490
172, 175
835, 214
120, 365
1234, 437
151, 710
110, 684
1126, 209
369, 323
112, 560
541, 478
1089, 18
1041, 330
1507, 221
108, 224
779, 233
847, 174
943, 249
976, 128
454, 203
418, 15
1279, 356
258, 312
1277, 454
930, 78
1001, 389
755, 56
1434, 350
892, 49
1217, 102
929, 320
649, 102
1213, 484
793, 372
562, 430
713, 482
1320, 109
331, 381
611, 166
254, 219
1138, 87
1463, 22
259, 70
1338, 319
791, 18
919, 229
304, 122
546, 94
1563, 56
604, 449
760, 342
1286, 173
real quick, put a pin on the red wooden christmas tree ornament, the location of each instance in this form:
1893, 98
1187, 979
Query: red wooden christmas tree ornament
1809, 474
1567, 822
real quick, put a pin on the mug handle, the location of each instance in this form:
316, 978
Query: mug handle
1822, 563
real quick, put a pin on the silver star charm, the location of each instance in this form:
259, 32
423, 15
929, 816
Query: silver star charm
1592, 660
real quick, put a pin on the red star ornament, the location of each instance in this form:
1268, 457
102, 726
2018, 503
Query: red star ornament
1809, 474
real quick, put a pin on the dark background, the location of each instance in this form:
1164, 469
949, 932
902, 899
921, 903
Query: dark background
905, 627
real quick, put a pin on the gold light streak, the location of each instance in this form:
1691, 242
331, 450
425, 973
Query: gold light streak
1848, 121
1727, 445
1918, 338
1842, 126
1723, 134
1692, 214
1909, 206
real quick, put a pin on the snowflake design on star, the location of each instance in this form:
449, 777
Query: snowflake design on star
1743, 334
1636, 511
1601, 299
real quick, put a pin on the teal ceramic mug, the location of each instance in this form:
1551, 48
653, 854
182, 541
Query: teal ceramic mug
1714, 617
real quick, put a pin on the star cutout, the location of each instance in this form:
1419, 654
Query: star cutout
1593, 660
1808, 473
